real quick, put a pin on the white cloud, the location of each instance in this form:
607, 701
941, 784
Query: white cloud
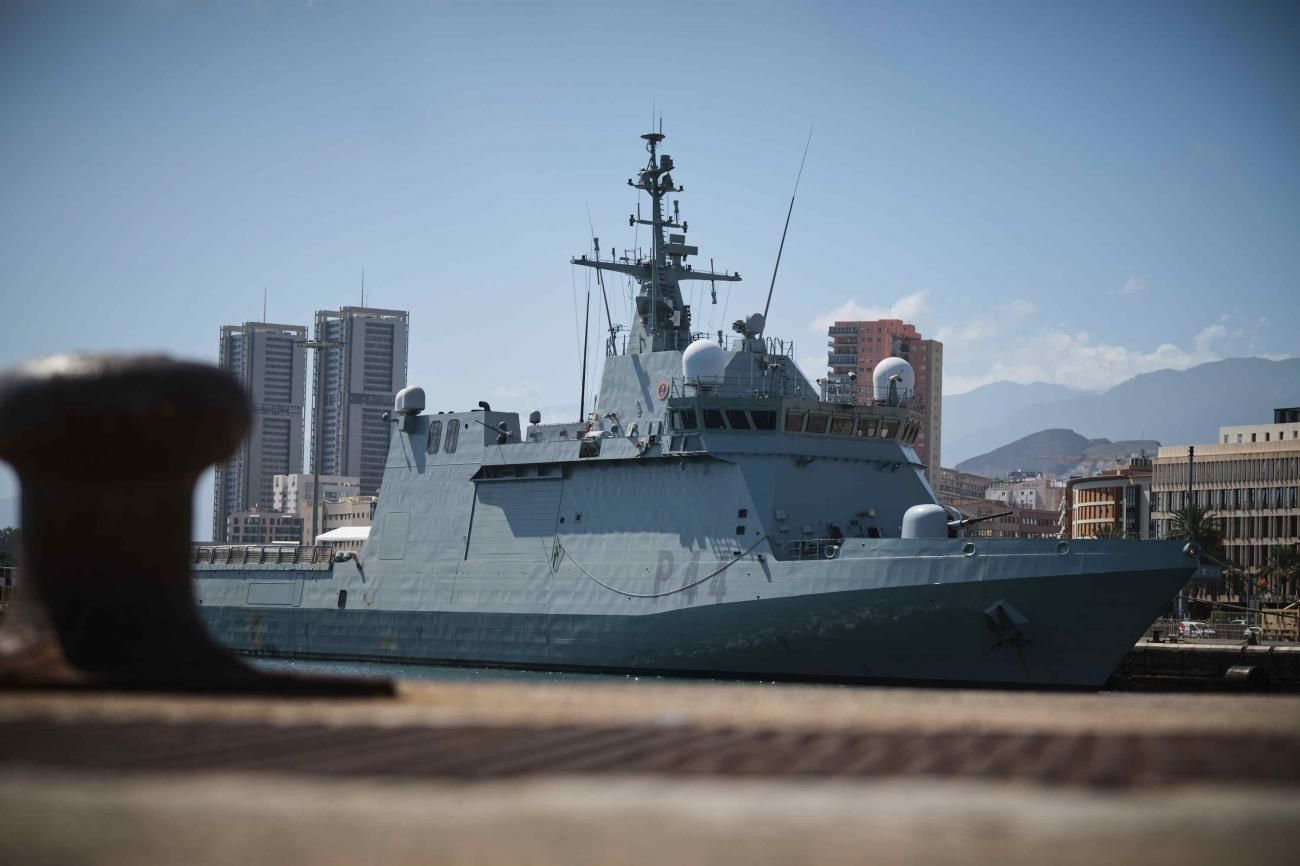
1020, 309
906, 308
1004, 344
1204, 341
518, 390
983, 329
1133, 285
1074, 359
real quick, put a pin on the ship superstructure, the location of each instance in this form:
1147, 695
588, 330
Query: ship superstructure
715, 514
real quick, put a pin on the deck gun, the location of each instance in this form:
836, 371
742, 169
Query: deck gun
956, 527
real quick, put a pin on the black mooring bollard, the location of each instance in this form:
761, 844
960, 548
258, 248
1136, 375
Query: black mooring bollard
108, 450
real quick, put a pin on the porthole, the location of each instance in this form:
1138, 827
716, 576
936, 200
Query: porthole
968, 549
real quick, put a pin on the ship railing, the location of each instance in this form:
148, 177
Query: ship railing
812, 548
262, 554
729, 342
865, 395
757, 385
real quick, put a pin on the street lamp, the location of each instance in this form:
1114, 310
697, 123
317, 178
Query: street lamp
317, 424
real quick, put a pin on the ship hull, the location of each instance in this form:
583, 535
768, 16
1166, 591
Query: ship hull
1063, 631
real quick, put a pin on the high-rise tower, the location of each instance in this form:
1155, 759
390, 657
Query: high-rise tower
265, 359
857, 347
361, 377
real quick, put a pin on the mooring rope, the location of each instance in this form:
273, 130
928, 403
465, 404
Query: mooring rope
692, 585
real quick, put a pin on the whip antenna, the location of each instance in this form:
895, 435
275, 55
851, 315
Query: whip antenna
600, 277
781, 248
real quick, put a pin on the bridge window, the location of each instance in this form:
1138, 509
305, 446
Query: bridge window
453, 436
866, 426
817, 422
842, 425
687, 420
713, 420
889, 428
736, 418
793, 422
764, 419
435, 436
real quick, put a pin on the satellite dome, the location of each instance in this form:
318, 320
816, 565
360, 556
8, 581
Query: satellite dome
703, 359
755, 324
888, 369
409, 401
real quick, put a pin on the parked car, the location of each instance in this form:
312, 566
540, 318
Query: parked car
1194, 628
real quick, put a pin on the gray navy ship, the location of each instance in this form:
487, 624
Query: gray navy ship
716, 515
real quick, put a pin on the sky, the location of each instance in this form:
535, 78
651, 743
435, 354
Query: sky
1062, 192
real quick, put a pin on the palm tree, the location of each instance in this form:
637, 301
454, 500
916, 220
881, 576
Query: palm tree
1284, 570
1201, 526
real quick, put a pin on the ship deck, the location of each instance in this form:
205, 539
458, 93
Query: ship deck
622, 773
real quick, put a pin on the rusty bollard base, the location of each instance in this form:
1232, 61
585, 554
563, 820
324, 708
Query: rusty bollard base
108, 449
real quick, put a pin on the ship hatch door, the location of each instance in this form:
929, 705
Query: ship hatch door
515, 520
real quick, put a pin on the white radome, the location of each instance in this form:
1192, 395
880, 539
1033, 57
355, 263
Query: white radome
886, 370
703, 359
409, 401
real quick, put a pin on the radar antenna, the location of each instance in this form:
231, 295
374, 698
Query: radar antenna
662, 318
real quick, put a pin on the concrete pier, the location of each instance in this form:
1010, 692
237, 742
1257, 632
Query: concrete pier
633, 773
1191, 666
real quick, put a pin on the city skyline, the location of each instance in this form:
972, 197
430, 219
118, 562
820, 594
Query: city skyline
267, 360
1059, 194
362, 374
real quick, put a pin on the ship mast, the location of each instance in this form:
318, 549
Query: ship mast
663, 319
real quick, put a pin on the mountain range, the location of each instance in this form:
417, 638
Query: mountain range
1061, 453
1172, 406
